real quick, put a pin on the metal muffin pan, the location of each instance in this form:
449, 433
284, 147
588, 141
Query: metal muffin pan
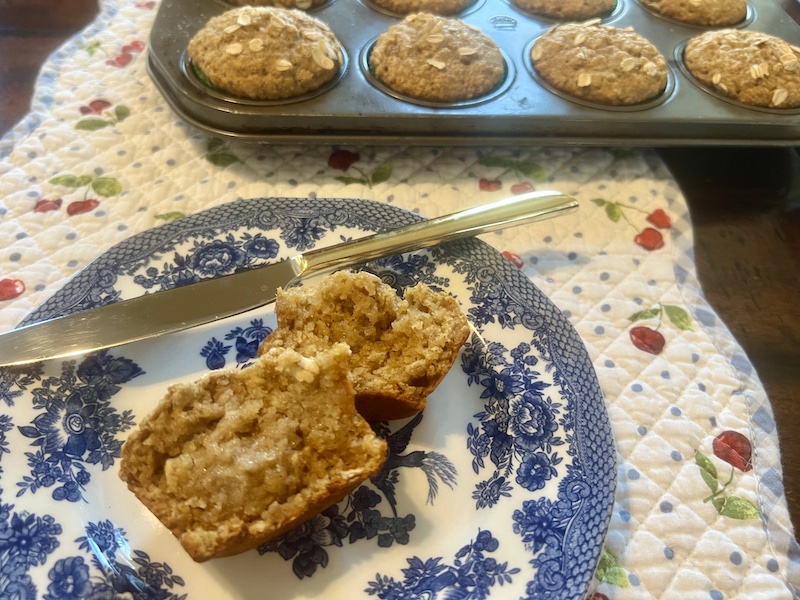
357, 109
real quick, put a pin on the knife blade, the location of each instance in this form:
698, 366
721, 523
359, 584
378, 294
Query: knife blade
181, 308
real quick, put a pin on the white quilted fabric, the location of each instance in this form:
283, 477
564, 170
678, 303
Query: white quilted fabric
666, 539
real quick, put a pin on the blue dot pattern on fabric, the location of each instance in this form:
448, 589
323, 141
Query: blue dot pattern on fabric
664, 374
634, 580
604, 276
772, 565
675, 455
675, 411
633, 474
15, 256
642, 429
605, 307
609, 363
637, 387
736, 558
624, 515
669, 553
599, 330
715, 595
665, 507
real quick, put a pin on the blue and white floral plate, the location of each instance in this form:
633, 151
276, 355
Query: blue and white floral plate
502, 488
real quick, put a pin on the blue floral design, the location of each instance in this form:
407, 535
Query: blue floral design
517, 427
142, 580
246, 341
470, 577
76, 425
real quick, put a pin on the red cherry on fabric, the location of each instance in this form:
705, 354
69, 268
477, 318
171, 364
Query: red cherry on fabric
45, 205
650, 239
11, 288
660, 219
647, 340
514, 258
734, 448
82, 206
521, 188
342, 159
489, 185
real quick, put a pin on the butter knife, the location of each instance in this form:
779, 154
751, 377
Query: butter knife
180, 308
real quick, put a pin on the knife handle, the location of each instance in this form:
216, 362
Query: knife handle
493, 216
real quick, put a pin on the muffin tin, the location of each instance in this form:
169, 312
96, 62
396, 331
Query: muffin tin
357, 109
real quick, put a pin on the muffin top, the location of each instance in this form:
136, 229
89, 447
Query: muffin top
751, 67
600, 63
300, 4
266, 53
714, 13
573, 10
436, 7
437, 59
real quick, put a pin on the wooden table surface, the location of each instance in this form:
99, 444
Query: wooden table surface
744, 203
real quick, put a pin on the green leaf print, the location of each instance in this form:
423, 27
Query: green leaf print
122, 112
170, 216
218, 154
92, 124
647, 313
733, 507
613, 211
70, 180
106, 186
523, 169
678, 317
381, 173
610, 570
707, 471
738, 508
221, 159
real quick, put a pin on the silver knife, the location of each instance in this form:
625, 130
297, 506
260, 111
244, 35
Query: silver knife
184, 307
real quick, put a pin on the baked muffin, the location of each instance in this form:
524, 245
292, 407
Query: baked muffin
436, 7
240, 457
266, 53
600, 63
437, 59
572, 10
709, 13
299, 4
402, 347
748, 66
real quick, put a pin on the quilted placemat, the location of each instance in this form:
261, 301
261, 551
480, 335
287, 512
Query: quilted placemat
700, 509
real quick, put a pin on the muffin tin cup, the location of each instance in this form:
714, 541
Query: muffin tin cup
472, 7
719, 95
749, 18
356, 108
508, 79
649, 104
189, 73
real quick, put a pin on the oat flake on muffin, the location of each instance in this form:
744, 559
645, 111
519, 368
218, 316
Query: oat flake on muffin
567, 9
600, 63
266, 53
437, 59
748, 66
